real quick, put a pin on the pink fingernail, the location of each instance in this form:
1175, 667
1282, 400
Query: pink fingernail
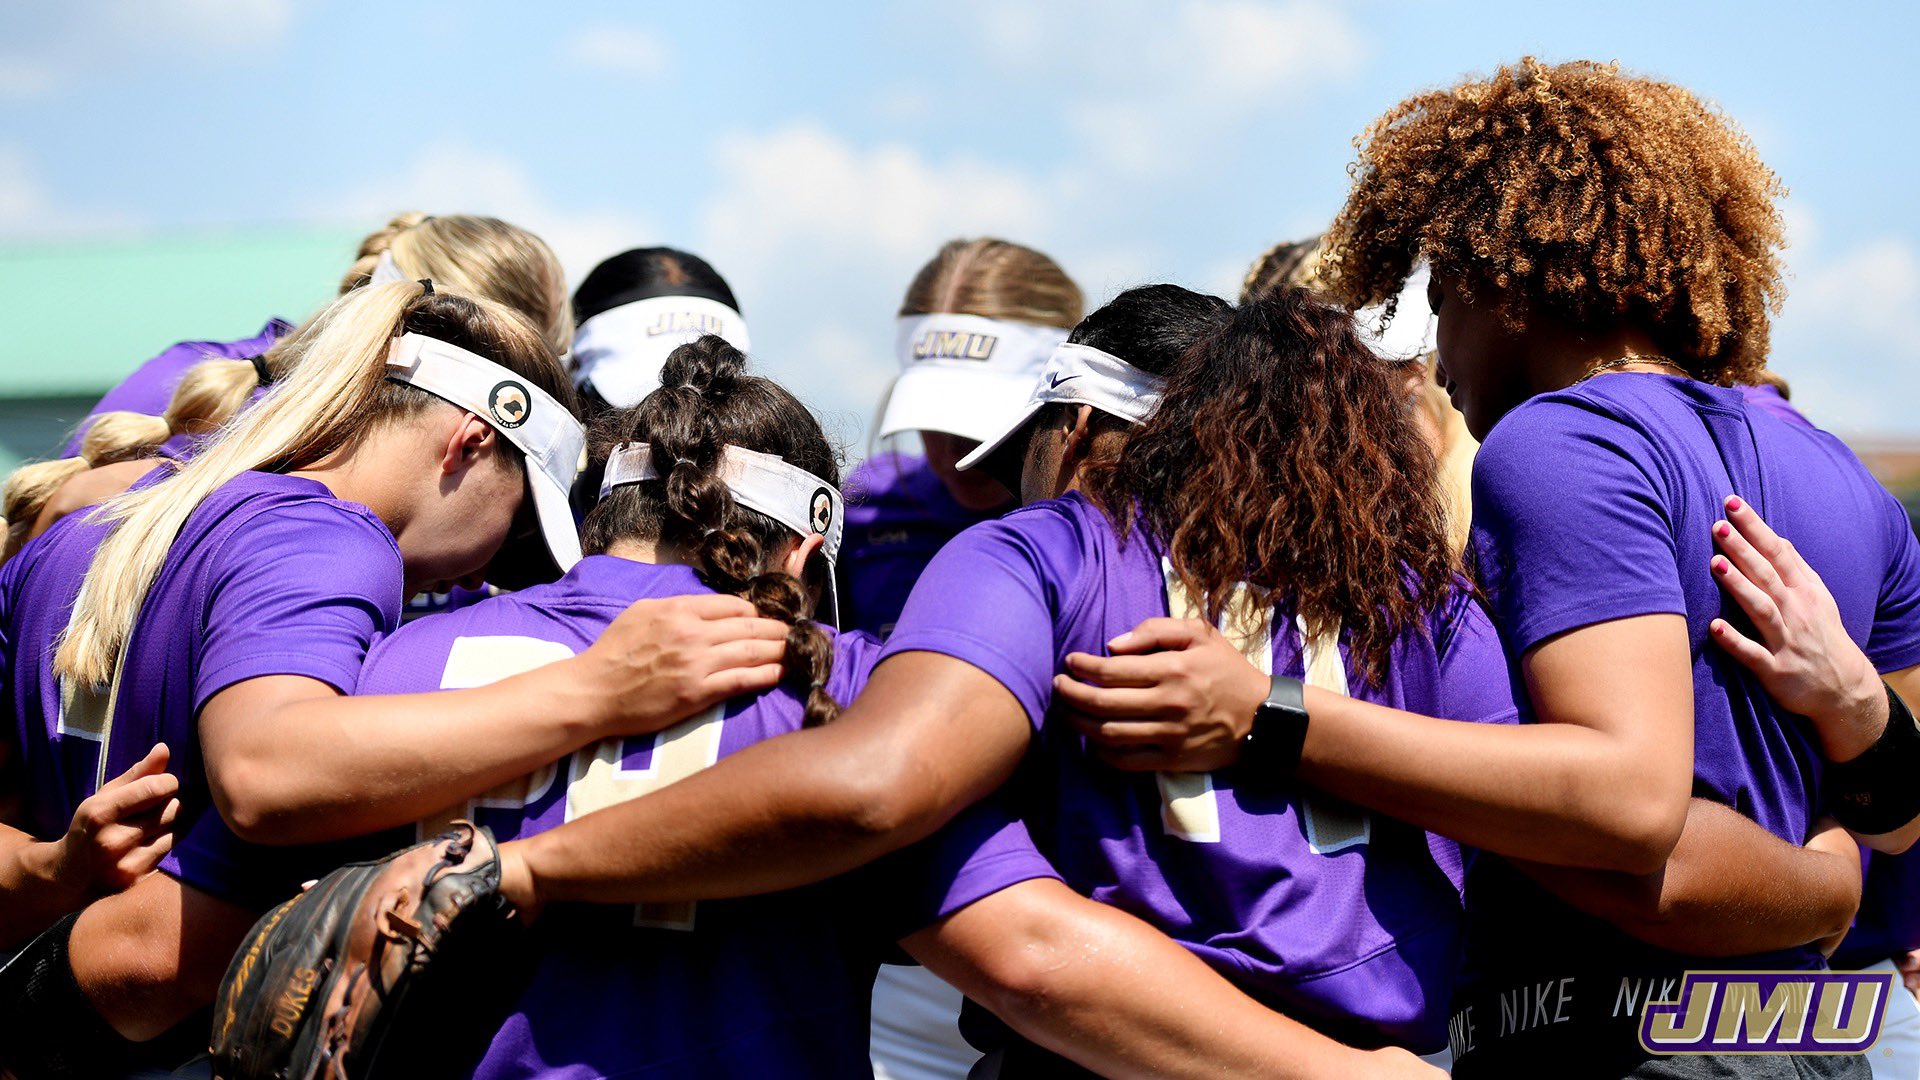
1721, 566
1734, 503
1723, 530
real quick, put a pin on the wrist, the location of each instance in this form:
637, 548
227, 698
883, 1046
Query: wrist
566, 692
1859, 723
46, 862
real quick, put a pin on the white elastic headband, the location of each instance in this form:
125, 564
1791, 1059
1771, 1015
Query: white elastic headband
386, 271
622, 349
783, 491
973, 342
1082, 375
524, 415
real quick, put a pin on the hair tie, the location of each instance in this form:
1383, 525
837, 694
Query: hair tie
427, 284
260, 370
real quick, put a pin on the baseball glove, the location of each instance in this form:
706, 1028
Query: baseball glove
379, 967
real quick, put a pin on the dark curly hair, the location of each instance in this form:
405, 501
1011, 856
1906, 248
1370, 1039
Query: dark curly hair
705, 404
1586, 194
1282, 455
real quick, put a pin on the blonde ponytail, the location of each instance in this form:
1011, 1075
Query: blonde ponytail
29, 489
335, 390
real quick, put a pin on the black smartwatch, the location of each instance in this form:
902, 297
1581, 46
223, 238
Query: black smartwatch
1279, 730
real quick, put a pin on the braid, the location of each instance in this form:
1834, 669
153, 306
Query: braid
703, 404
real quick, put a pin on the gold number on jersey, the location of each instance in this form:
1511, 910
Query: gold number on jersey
595, 776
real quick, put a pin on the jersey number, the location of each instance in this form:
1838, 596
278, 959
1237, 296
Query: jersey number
597, 775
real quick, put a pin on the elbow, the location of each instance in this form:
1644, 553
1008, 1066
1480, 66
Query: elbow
252, 805
881, 796
1640, 835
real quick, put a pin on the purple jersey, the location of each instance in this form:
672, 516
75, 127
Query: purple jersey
1595, 503
1339, 918
150, 387
1770, 399
271, 575
898, 516
767, 986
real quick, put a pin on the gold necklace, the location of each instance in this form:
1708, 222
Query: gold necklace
1631, 358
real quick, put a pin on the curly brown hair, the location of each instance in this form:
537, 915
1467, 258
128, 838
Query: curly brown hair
1589, 195
1282, 455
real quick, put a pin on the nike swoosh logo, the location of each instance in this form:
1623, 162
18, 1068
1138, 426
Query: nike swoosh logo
1058, 379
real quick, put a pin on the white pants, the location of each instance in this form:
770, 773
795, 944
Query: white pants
916, 1027
1897, 1055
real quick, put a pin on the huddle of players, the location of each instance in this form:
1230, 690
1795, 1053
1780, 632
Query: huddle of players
1046, 782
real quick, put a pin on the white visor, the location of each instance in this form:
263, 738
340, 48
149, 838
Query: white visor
1410, 335
962, 374
621, 350
768, 483
1080, 375
523, 414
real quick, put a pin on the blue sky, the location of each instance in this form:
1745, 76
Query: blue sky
818, 153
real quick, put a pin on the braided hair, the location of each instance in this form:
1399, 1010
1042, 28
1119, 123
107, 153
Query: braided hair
706, 403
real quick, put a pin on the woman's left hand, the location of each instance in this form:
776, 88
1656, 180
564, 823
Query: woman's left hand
1805, 659
1175, 696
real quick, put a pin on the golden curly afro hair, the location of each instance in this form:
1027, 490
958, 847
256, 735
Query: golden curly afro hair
1580, 192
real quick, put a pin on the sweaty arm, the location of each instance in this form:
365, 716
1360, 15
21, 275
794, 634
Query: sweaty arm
1106, 990
290, 760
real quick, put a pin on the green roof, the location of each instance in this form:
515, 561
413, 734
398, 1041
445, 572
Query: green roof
79, 316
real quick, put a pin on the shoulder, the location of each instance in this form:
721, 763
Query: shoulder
296, 528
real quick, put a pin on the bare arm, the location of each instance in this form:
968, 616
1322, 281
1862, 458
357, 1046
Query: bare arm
927, 737
1106, 990
1730, 888
290, 760
1602, 782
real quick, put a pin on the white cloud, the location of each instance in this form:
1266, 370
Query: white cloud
29, 208
802, 190
457, 178
59, 44
1848, 336
1145, 86
628, 50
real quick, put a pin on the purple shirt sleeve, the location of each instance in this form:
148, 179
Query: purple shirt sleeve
983, 850
990, 597
302, 591
1894, 641
1569, 523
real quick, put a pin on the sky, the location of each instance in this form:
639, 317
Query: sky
818, 153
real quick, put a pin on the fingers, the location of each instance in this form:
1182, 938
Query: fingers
1116, 671
1749, 653
1747, 559
142, 859
1775, 549
1162, 633
754, 652
738, 628
1112, 702
154, 762
1753, 600
733, 682
1119, 733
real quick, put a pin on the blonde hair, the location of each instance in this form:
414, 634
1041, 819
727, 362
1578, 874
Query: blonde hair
995, 279
1290, 262
481, 257
475, 256
335, 392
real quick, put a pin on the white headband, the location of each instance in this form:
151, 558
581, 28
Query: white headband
386, 271
785, 492
622, 349
524, 415
1082, 375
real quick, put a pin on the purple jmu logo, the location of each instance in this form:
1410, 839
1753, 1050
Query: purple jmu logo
1769, 1012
